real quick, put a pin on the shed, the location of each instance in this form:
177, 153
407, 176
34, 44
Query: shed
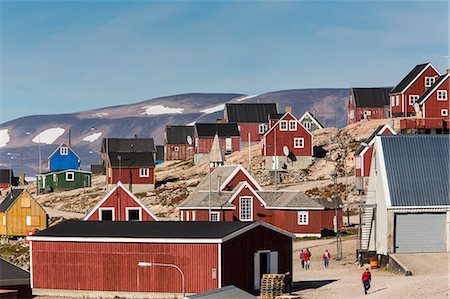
68, 179
101, 258
179, 142
368, 103
15, 278
7, 177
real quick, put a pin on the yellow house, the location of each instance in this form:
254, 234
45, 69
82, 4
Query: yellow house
19, 213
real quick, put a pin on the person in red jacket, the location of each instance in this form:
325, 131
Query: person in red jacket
366, 278
307, 259
326, 258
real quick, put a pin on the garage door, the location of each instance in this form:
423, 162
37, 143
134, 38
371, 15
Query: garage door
420, 232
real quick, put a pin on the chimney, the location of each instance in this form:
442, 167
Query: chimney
288, 109
448, 71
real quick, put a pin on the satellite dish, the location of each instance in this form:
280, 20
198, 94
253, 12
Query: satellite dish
189, 139
286, 150
417, 107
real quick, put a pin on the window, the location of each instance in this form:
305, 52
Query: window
307, 124
25, 202
444, 112
55, 177
299, 142
392, 101
28, 220
4, 220
106, 214
262, 128
63, 151
367, 112
283, 125
144, 172
134, 214
397, 100
176, 149
302, 218
215, 216
193, 215
442, 95
187, 215
413, 99
245, 208
70, 176
429, 81
292, 125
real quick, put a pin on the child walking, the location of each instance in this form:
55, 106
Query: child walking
326, 258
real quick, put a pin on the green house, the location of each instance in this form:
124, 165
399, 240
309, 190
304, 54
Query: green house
63, 180
310, 122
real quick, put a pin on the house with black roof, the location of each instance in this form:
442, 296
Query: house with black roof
252, 119
404, 96
407, 207
368, 103
179, 143
204, 133
7, 178
124, 145
204, 252
14, 281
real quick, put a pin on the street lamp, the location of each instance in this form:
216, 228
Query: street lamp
147, 264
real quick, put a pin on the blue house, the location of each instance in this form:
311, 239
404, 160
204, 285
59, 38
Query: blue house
62, 158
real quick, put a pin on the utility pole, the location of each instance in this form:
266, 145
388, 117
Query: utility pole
336, 213
249, 154
346, 191
275, 156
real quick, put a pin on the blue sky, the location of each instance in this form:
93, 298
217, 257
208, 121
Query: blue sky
67, 56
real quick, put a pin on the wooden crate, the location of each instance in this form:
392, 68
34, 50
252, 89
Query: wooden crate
272, 285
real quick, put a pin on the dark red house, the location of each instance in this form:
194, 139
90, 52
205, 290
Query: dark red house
368, 103
136, 170
204, 133
409, 90
363, 157
179, 143
120, 205
252, 119
287, 143
7, 178
100, 259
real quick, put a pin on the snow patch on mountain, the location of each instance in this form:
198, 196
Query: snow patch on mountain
100, 114
48, 136
213, 109
4, 137
246, 98
161, 109
92, 137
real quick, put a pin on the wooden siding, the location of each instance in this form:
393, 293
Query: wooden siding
432, 107
125, 175
203, 215
253, 129
120, 200
16, 216
185, 152
113, 266
62, 162
238, 256
57, 181
239, 177
203, 145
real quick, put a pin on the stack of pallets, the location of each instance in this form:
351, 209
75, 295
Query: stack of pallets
272, 285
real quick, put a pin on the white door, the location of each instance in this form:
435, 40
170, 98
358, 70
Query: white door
228, 145
268, 260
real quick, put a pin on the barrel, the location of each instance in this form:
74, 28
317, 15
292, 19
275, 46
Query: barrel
374, 262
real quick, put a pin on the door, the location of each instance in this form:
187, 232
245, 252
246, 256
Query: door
420, 232
265, 262
228, 145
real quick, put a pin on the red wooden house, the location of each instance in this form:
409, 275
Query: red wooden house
287, 143
368, 103
178, 143
134, 169
120, 205
204, 133
252, 119
363, 157
100, 258
408, 91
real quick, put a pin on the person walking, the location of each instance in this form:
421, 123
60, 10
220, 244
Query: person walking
326, 258
366, 279
288, 282
301, 258
306, 259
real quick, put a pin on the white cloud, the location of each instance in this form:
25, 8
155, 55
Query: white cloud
161, 109
4, 137
92, 137
48, 136
213, 109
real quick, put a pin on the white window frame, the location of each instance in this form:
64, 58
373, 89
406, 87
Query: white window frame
68, 174
28, 220
302, 217
106, 209
262, 128
302, 142
283, 123
144, 172
176, 148
367, 112
127, 217
429, 81
181, 215
307, 124
413, 98
392, 101
444, 112
292, 125
442, 95
397, 100
241, 200
215, 214
64, 151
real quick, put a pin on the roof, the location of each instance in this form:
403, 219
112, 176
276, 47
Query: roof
178, 134
9, 200
68, 146
433, 88
228, 292
249, 112
288, 199
275, 116
371, 137
200, 199
5, 176
417, 169
120, 145
63, 171
222, 130
11, 275
371, 97
282, 118
131, 159
313, 118
410, 78
160, 153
